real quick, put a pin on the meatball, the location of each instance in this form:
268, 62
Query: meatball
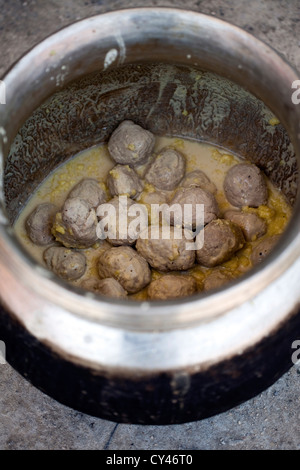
90, 190
124, 180
193, 196
244, 185
217, 278
222, 238
154, 198
263, 248
167, 170
65, 263
108, 287
172, 287
125, 265
252, 225
120, 231
75, 226
165, 254
39, 224
130, 144
102, 245
198, 179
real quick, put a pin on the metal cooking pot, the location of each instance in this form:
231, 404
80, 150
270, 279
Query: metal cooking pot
179, 73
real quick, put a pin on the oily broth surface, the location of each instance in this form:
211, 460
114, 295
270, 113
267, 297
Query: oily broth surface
215, 162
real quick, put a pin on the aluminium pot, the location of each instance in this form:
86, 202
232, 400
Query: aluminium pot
175, 72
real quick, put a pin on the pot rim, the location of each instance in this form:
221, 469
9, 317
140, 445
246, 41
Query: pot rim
143, 315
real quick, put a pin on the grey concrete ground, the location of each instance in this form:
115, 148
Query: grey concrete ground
30, 419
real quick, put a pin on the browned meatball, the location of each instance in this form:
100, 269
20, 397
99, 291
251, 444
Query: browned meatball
198, 179
263, 248
39, 224
193, 196
124, 180
252, 225
65, 263
217, 278
125, 265
75, 226
244, 185
121, 231
222, 239
131, 144
169, 254
109, 287
172, 287
167, 170
90, 190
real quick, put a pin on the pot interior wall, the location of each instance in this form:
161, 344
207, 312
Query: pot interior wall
166, 99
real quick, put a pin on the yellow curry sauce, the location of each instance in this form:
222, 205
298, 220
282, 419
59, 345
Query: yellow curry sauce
96, 163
